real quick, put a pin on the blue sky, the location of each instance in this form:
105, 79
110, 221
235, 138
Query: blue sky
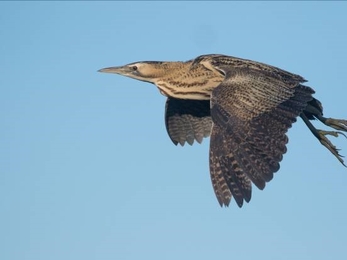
87, 169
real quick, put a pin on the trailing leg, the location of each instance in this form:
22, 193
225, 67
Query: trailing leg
337, 124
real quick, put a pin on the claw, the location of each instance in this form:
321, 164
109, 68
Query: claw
333, 133
338, 124
326, 142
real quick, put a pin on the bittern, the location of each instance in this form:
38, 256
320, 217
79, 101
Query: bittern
247, 107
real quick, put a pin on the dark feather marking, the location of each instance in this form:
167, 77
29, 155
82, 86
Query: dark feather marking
253, 146
187, 120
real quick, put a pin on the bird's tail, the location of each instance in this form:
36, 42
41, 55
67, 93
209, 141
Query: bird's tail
314, 108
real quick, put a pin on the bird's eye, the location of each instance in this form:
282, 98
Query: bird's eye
134, 68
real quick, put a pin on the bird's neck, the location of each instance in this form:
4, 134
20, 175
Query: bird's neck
184, 82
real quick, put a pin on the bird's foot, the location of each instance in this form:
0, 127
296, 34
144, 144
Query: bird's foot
326, 142
338, 124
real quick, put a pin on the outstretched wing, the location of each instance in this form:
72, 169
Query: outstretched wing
251, 113
187, 120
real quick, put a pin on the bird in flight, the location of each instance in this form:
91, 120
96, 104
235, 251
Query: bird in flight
245, 106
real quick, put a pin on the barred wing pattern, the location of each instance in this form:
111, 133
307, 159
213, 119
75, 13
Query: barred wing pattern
251, 113
187, 120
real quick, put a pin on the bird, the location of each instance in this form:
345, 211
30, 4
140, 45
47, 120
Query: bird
245, 107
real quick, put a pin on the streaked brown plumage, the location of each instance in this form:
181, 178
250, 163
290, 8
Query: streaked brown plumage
246, 106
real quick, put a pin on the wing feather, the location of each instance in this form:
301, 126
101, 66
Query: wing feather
187, 120
251, 114
226, 175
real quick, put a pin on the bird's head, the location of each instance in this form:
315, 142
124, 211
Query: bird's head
148, 71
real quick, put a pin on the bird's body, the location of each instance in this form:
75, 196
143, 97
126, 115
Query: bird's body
246, 106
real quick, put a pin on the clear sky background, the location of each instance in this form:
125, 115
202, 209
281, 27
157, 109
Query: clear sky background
87, 169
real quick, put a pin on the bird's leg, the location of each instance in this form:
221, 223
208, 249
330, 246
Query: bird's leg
315, 111
321, 134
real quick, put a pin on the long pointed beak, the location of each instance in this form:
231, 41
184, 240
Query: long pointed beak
122, 70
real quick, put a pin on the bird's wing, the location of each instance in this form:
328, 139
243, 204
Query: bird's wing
251, 113
187, 120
